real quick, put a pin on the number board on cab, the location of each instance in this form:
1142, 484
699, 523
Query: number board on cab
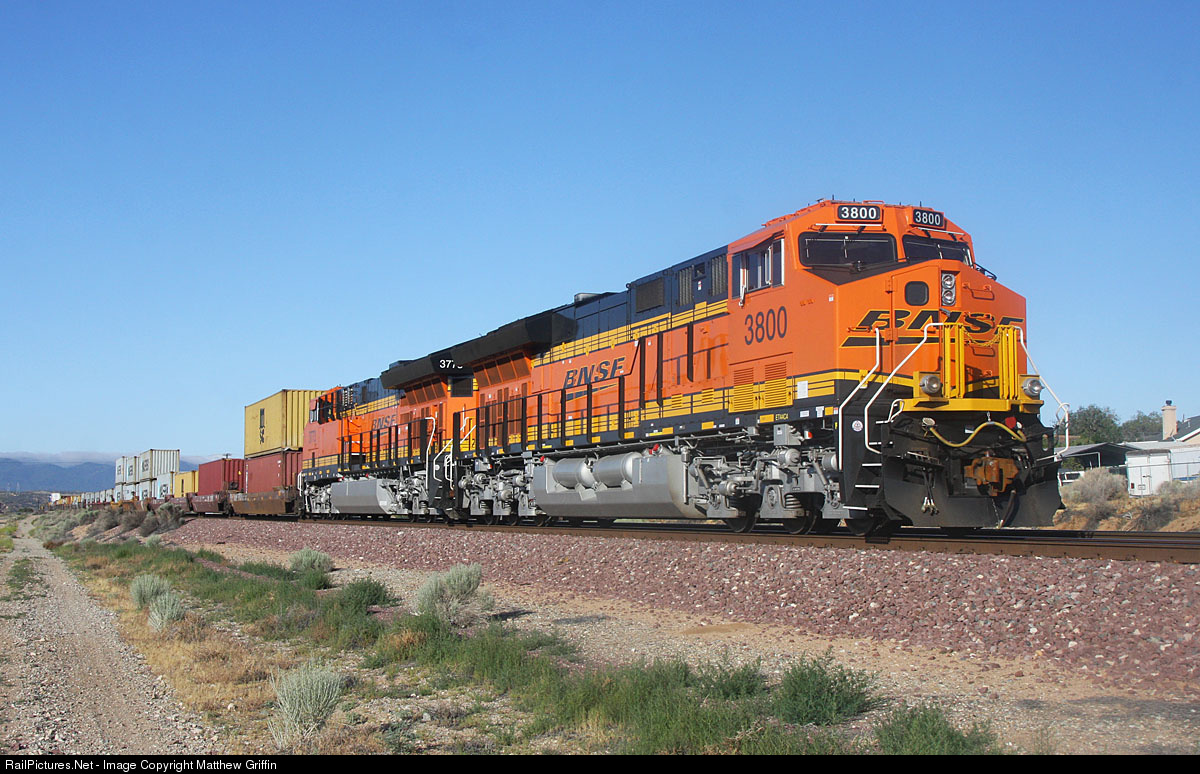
931, 218
860, 213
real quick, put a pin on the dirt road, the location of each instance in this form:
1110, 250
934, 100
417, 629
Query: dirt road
69, 683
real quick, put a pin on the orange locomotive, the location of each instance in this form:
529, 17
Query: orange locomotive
848, 362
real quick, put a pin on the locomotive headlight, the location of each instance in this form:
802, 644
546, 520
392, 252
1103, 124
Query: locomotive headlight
1033, 387
949, 289
931, 384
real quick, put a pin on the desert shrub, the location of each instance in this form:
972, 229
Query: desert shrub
313, 579
107, 521
305, 697
56, 527
1095, 487
1154, 514
361, 594
722, 680
453, 597
164, 609
154, 540
87, 517
345, 621
1176, 494
146, 588
308, 559
132, 520
170, 516
818, 691
148, 526
925, 730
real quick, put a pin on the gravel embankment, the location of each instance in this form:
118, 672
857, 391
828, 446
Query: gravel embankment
71, 685
1130, 622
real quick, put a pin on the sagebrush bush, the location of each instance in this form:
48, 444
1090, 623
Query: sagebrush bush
305, 697
170, 516
87, 517
154, 540
308, 559
1094, 487
453, 597
146, 588
107, 521
1175, 494
132, 520
164, 609
148, 526
1154, 514
56, 527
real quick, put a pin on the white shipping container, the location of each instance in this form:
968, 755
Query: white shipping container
130, 469
120, 477
157, 463
163, 486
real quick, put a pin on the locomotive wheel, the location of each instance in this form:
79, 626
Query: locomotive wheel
872, 526
490, 519
823, 526
860, 527
511, 519
543, 520
802, 525
743, 523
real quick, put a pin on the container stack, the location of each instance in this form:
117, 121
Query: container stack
146, 476
275, 438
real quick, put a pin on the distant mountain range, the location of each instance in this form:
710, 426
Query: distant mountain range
31, 474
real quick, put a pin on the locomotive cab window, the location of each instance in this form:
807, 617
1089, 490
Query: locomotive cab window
758, 268
839, 248
922, 249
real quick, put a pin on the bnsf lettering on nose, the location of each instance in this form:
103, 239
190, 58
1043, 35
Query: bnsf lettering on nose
976, 322
605, 369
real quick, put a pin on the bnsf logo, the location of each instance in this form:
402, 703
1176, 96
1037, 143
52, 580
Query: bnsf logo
605, 369
977, 323
381, 422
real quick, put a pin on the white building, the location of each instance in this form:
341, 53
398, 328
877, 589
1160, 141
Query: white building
1150, 465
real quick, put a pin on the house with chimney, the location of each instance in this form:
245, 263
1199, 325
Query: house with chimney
1185, 432
1175, 458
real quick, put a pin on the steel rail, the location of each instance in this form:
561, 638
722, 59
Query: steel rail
1170, 547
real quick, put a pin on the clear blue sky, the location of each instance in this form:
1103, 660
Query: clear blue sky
202, 203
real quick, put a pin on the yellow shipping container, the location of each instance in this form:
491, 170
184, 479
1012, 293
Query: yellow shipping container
186, 483
277, 423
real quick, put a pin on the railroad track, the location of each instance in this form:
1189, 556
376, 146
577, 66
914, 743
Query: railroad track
1173, 547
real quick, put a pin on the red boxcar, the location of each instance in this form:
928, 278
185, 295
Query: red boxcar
271, 471
223, 475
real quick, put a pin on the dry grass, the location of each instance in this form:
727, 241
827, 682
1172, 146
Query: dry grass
210, 670
341, 739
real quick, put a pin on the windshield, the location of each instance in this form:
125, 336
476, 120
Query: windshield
922, 249
834, 249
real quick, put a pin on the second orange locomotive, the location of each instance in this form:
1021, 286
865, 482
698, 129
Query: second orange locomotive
848, 362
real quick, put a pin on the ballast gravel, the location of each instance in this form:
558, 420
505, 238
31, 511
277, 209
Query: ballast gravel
1130, 624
